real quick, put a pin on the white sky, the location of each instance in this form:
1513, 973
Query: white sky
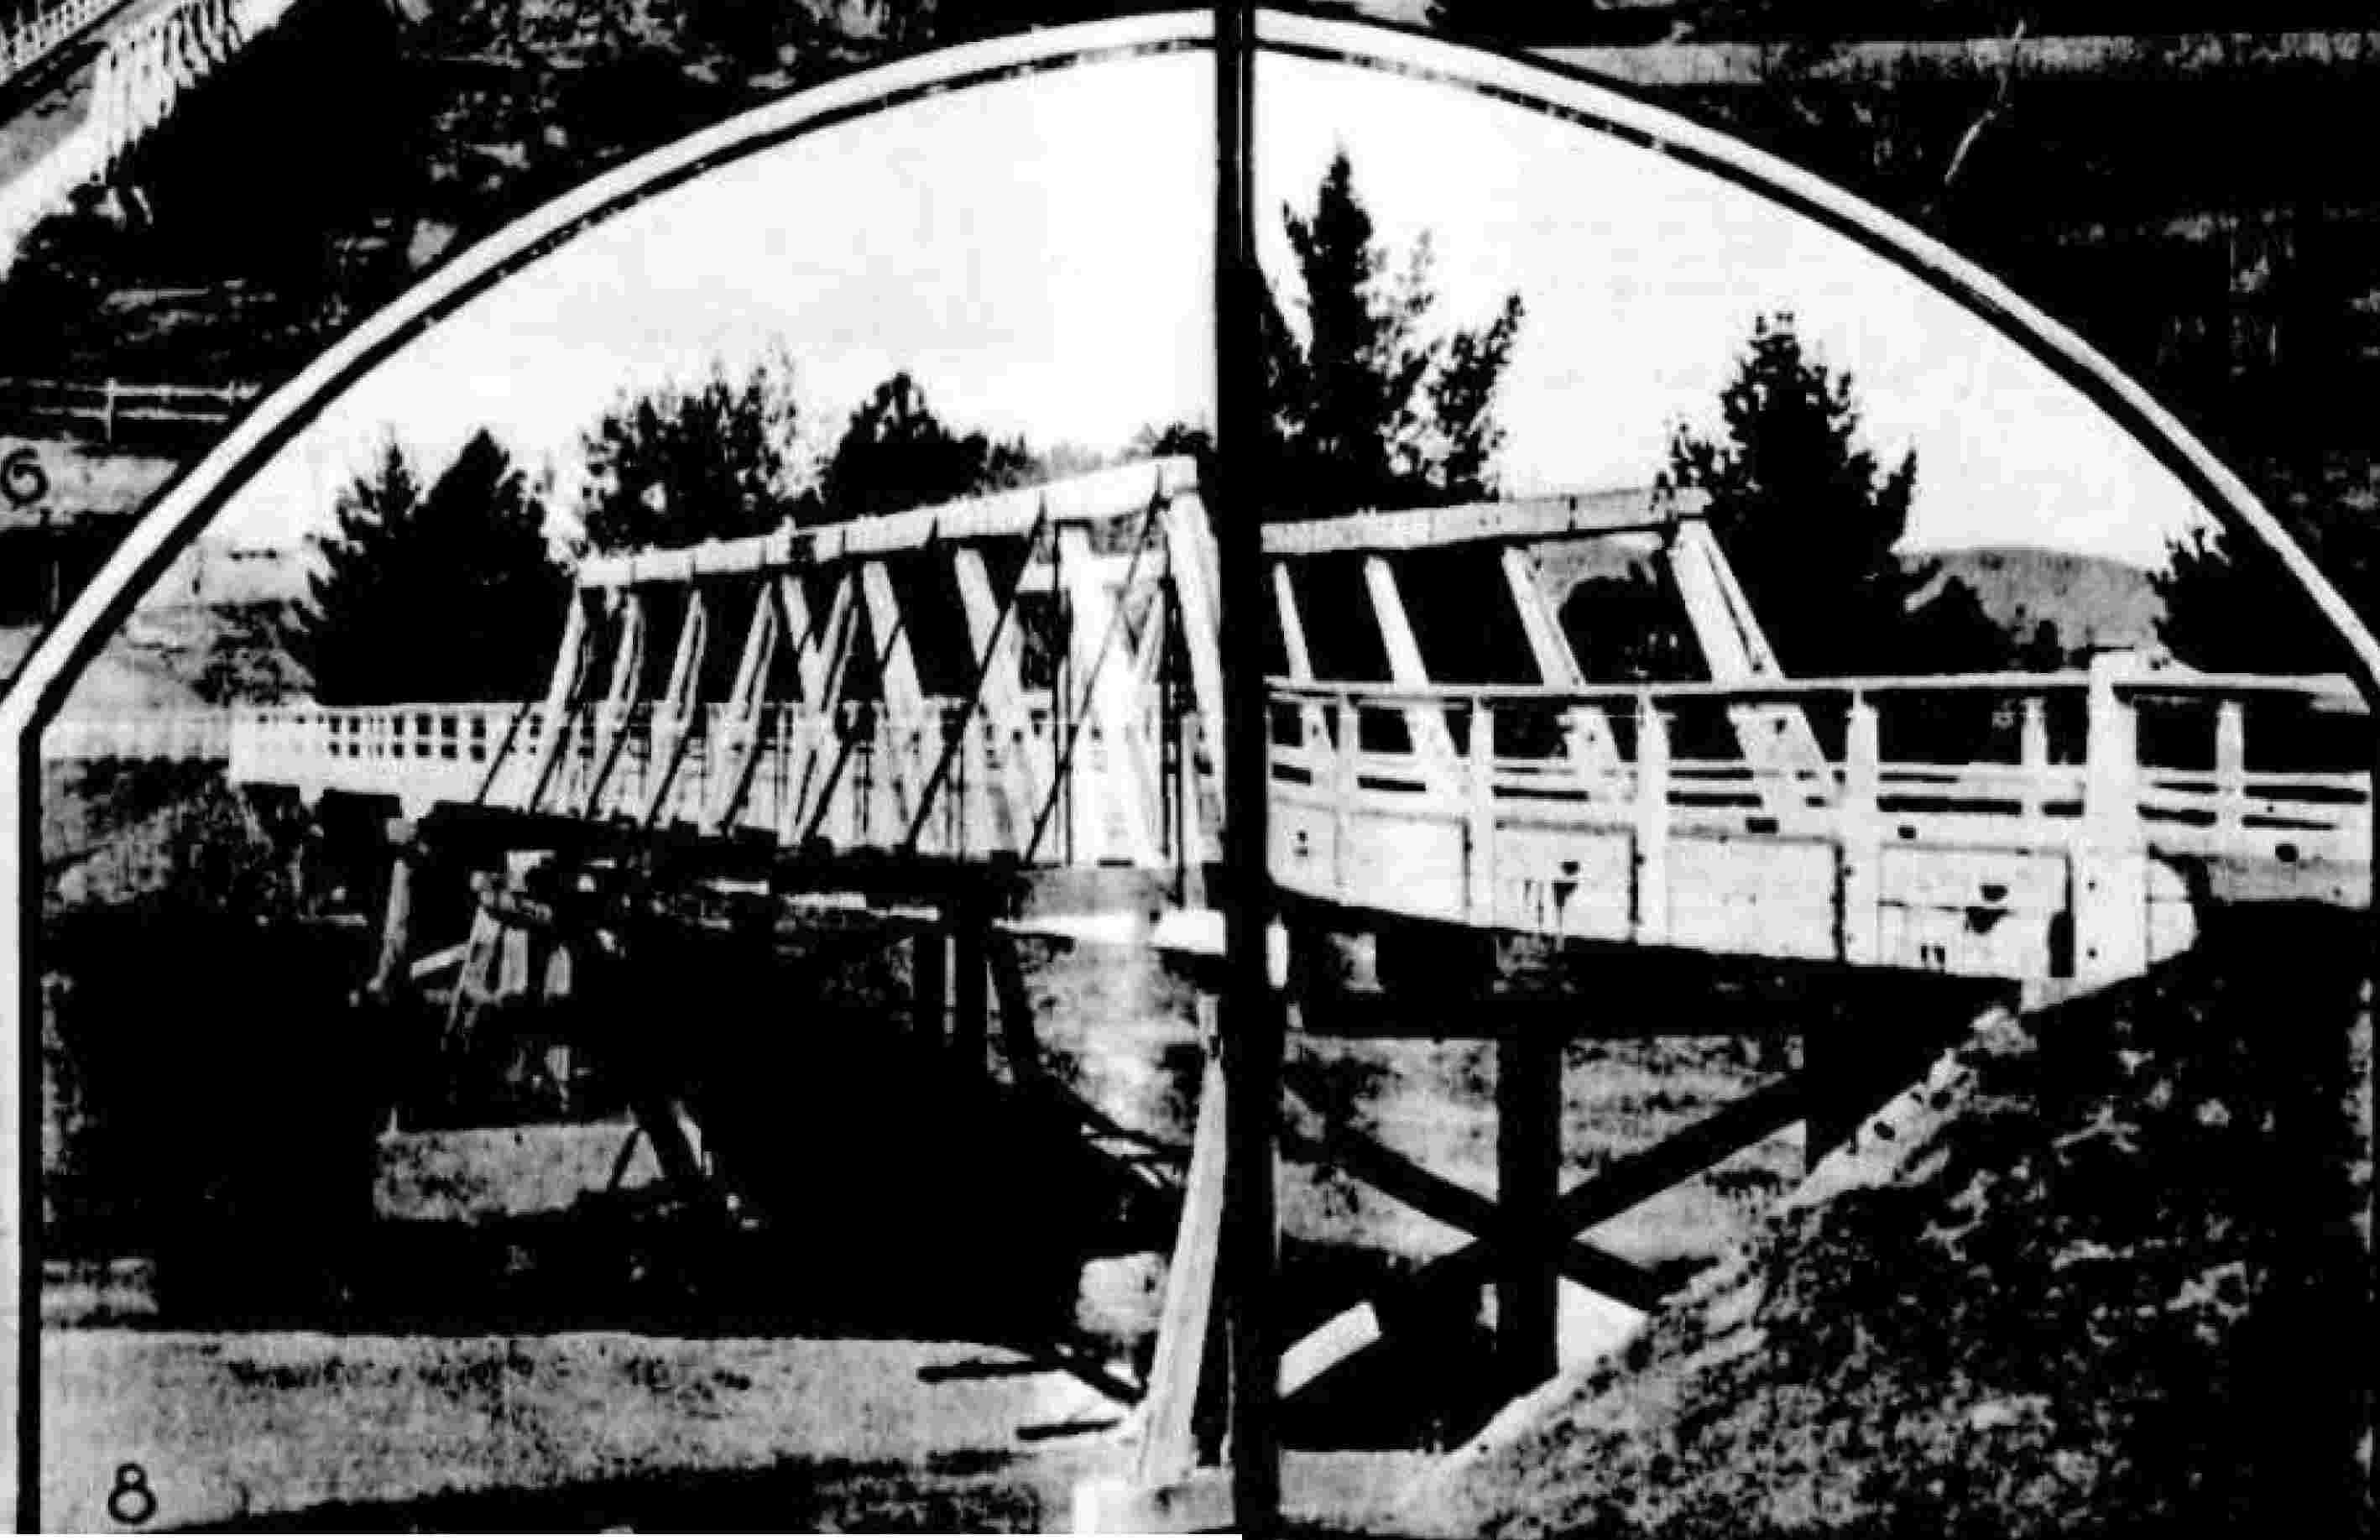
1641, 278
1035, 253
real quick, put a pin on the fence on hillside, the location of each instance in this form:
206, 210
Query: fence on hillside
110, 410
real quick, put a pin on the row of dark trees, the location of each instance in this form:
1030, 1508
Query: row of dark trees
449, 590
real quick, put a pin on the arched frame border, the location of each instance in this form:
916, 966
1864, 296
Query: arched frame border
181, 511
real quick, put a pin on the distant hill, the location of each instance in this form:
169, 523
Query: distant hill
2092, 601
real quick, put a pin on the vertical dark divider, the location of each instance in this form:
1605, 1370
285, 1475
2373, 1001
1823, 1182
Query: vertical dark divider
1250, 1023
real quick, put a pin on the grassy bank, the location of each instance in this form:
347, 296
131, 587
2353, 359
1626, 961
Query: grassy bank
2101, 1275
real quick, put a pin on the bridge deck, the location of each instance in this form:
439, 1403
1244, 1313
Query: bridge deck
2041, 867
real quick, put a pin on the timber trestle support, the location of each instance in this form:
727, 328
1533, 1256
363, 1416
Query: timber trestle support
566, 917
1860, 1038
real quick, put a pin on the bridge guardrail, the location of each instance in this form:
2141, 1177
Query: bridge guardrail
182, 735
652, 765
2070, 786
451, 751
36, 37
2197, 808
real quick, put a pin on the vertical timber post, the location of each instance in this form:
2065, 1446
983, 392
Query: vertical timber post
2230, 765
2033, 755
1860, 839
2111, 858
397, 923
1528, 1174
1650, 920
1250, 1018
1346, 739
1479, 842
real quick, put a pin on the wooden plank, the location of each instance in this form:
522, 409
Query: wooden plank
1299, 656
1167, 1450
1097, 497
673, 719
823, 661
2231, 762
1776, 740
1121, 800
2110, 901
1014, 997
1190, 564
1649, 897
749, 703
629, 659
1859, 840
1433, 741
1492, 1227
396, 925
1479, 825
619, 699
1586, 734
1532, 518
897, 661
1000, 697
573, 662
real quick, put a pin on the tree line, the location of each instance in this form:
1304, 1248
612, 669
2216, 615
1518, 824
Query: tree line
446, 588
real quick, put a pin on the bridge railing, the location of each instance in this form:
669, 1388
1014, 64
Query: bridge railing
2172, 749
948, 776
438, 745
179, 735
33, 38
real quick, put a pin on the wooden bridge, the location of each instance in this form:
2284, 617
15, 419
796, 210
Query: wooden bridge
1031, 678
1034, 675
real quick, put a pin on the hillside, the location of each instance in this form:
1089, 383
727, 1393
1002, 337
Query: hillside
2071, 1283
2092, 601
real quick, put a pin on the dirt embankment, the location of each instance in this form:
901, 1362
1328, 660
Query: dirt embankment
2104, 1272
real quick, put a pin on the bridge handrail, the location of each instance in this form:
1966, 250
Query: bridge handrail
2326, 687
190, 735
37, 36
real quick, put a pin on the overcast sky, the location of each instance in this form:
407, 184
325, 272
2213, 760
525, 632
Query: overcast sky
1642, 277
1035, 253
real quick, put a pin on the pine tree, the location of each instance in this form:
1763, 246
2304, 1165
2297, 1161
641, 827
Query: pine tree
1366, 409
445, 594
2231, 611
1810, 521
683, 465
896, 454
